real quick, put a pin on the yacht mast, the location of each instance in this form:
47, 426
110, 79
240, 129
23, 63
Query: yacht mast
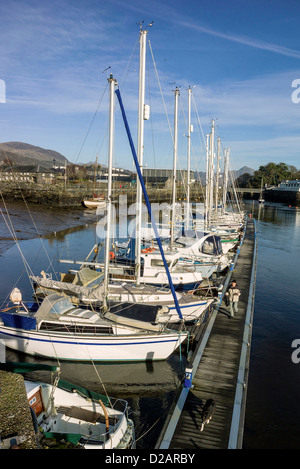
140, 149
176, 91
217, 178
188, 156
112, 84
211, 171
225, 182
206, 181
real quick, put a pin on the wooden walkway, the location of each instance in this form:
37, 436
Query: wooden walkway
220, 369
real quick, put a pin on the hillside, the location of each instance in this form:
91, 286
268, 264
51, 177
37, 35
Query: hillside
244, 170
25, 154
200, 175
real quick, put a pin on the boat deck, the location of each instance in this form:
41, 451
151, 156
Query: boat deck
220, 366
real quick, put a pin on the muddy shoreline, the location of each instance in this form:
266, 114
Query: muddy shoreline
27, 221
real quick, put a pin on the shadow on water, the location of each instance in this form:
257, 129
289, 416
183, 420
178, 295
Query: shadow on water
148, 387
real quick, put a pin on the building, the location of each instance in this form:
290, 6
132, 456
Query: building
164, 177
28, 174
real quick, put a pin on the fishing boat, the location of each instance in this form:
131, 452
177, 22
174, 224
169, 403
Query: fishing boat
64, 411
56, 329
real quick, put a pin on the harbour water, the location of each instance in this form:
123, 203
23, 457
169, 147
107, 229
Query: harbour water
272, 413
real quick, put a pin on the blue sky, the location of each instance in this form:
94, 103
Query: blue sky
240, 58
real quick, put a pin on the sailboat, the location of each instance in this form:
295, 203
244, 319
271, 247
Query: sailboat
147, 262
95, 201
64, 411
215, 219
56, 329
122, 281
145, 302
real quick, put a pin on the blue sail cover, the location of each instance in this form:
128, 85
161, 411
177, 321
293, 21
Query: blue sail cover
18, 321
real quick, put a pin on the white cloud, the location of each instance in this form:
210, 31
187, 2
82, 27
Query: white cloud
247, 41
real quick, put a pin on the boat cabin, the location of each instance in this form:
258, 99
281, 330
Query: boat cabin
199, 243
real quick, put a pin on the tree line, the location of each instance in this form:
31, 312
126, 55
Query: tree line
270, 174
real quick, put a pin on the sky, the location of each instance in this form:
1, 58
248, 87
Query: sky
241, 58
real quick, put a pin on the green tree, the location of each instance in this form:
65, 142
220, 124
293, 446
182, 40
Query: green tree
271, 174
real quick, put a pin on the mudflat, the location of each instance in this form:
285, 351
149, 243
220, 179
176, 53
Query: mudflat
22, 221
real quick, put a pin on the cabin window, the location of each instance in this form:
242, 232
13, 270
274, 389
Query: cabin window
207, 247
211, 245
75, 328
61, 306
158, 263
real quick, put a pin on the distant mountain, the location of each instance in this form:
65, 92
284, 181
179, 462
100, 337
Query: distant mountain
25, 154
200, 175
244, 170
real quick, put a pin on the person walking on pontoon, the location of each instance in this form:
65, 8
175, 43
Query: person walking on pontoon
233, 296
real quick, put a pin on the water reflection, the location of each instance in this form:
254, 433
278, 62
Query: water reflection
273, 213
149, 388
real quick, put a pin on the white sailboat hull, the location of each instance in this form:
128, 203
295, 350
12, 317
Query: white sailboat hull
190, 312
94, 203
140, 347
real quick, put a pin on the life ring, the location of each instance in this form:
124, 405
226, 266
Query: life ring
146, 250
111, 255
